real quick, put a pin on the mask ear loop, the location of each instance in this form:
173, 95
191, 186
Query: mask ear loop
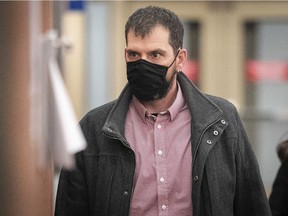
172, 64
175, 57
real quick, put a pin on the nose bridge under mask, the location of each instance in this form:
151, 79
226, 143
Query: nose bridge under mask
143, 64
142, 60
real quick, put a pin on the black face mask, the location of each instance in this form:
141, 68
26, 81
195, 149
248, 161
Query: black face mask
147, 80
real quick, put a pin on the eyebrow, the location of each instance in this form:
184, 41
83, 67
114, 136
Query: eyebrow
130, 50
158, 51
152, 51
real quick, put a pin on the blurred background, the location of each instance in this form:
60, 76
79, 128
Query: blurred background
237, 50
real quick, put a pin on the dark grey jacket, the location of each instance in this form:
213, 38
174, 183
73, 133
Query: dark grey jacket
226, 178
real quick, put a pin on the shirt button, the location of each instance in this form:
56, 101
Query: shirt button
215, 133
125, 193
196, 178
161, 179
158, 126
209, 142
223, 121
160, 152
163, 207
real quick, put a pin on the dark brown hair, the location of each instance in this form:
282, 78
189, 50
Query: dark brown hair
143, 20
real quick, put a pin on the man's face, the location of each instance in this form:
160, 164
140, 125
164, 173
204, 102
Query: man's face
154, 48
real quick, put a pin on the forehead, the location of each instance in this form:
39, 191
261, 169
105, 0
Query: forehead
157, 38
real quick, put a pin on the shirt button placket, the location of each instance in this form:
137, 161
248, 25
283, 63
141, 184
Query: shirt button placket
159, 134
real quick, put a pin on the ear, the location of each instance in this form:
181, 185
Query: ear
181, 59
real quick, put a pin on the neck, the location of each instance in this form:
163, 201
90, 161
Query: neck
161, 105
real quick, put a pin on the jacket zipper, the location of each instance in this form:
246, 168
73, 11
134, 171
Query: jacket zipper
198, 144
116, 137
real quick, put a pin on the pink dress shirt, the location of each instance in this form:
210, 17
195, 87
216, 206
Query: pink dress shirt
162, 147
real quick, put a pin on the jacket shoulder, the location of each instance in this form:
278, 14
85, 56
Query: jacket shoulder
97, 115
223, 104
230, 114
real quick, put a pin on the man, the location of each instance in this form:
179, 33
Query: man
163, 147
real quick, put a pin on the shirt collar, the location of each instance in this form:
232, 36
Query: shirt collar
178, 104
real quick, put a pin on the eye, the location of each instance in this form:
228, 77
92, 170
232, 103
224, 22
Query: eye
132, 56
155, 55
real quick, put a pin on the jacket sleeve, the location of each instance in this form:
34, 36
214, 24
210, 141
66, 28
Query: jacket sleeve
72, 196
250, 197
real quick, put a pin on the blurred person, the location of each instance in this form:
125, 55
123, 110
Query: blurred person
163, 147
279, 197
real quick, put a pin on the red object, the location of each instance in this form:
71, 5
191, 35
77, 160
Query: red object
266, 70
191, 70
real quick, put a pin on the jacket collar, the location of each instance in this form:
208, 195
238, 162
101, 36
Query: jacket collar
203, 111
